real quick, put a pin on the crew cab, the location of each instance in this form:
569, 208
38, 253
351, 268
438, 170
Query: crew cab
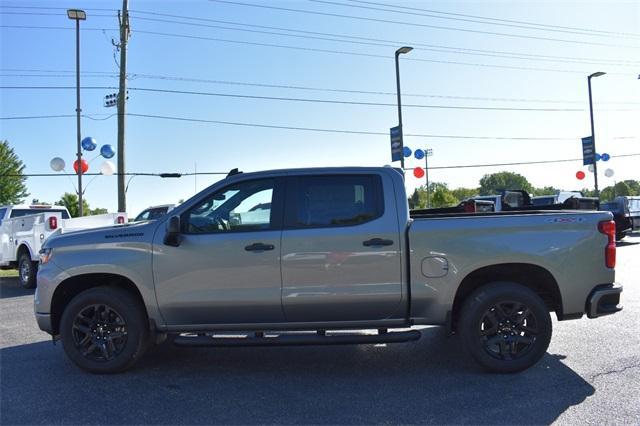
324, 256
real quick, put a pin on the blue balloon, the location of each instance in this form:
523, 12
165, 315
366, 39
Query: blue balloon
89, 144
419, 154
406, 151
598, 157
107, 151
605, 157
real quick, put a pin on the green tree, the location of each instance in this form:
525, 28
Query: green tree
622, 188
607, 194
418, 200
464, 193
98, 210
634, 186
12, 182
70, 201
546, 190
442, 197
493, 183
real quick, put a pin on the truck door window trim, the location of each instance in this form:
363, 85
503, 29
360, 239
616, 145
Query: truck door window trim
275, 217
370, 193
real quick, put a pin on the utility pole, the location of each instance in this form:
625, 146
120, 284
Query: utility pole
122, 97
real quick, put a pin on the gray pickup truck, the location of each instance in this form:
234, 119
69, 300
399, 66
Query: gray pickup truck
323, 256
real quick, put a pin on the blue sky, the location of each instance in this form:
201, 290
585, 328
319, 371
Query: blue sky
46, 57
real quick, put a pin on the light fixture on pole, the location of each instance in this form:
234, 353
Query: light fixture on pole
78, 15
593, 134
402, 50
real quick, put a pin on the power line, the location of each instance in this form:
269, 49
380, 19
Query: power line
133, 76
369, 55
414, 24
379, 42
431, 15
359, 54
315, 129
494, 19
465, 166
458, 166
309, 100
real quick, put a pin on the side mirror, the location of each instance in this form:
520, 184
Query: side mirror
172, 236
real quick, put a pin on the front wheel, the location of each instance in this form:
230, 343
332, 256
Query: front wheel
104, 330
505, 326
27, 271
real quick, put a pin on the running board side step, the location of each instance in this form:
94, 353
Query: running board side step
297, 339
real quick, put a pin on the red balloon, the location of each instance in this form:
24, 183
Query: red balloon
580, 175
85, 166
418, 172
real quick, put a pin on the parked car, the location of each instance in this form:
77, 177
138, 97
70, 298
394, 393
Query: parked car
633, 207
621, 216
326, 249
154, 212
24, 228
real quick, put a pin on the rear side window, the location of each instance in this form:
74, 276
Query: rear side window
2, 213
27, 212
334, 200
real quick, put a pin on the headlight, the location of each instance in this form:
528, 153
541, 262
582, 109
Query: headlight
45, 255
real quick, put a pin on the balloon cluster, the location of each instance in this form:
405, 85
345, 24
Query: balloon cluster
598, 157
419, 154
107, 168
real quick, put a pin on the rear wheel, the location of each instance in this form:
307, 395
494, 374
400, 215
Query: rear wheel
104, 330
505, 326
27, 271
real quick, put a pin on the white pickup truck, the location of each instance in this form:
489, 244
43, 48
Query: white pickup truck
24, 228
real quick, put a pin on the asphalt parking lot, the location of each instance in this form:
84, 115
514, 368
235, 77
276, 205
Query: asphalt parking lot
590, 375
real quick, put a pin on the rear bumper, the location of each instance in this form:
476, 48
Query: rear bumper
604, 300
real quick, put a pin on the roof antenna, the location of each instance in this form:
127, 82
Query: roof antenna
234, 172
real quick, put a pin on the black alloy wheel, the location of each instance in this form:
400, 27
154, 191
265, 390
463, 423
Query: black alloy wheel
508, 330
99, 333
105, 329
505, 326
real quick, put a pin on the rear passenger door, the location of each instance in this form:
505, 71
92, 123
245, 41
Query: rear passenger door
340, 249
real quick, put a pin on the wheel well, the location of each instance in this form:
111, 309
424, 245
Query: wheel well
23, 249
534, 277
73, 286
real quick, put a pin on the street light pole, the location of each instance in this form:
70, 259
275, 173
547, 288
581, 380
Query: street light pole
78, 15
593, 134
402, 50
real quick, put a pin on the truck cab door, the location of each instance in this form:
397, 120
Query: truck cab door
226, 267
341, 249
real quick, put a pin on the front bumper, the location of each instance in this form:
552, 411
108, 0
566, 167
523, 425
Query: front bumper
604, 300
44, 322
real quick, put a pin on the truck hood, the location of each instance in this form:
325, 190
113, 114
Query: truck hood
107, 234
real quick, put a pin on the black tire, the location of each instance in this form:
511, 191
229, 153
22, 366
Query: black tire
115, 324
27, 271
505, 327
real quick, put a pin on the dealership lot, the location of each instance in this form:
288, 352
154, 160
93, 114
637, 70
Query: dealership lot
591, 374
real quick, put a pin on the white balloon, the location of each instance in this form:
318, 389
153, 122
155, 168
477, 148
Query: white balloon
57, 164
107, 168
608, 173
591, 168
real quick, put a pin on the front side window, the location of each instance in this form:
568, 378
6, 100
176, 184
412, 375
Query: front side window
328, 201
245, 206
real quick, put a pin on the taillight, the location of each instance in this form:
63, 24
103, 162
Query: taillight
53, 223
120, 220
608, 227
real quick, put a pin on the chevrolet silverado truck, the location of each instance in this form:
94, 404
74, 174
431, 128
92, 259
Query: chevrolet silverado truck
323, 256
